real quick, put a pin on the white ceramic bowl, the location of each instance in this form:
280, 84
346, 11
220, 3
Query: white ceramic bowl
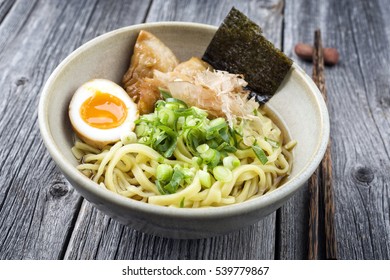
298, 105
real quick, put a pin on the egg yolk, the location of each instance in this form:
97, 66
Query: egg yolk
103, 110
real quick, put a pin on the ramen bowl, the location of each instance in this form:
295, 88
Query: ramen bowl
297, 106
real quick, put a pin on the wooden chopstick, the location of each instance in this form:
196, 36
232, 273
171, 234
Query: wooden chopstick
324, 171
326, 164
313, 216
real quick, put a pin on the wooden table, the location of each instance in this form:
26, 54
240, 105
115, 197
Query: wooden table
43, 217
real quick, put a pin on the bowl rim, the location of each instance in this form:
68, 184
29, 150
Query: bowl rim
196, 213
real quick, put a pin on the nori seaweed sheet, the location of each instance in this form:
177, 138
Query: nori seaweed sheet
239, 47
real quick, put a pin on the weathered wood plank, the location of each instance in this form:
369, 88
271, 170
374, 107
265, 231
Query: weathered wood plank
231, 246
300, 21
38, 209
37, 206
94, 234
29, 211
358, 94
267, 13
367, 188
96, 237
5, 7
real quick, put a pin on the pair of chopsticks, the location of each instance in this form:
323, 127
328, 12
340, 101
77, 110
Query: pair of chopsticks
322, 177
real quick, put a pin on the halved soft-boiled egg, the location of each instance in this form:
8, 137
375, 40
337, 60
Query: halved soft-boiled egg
101, 112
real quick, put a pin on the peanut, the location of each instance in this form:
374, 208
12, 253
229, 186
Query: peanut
305, 51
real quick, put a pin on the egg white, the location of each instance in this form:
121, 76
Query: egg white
99, 137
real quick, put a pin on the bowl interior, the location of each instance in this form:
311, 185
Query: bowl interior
297, 105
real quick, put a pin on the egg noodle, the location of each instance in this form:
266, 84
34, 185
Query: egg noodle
129, 168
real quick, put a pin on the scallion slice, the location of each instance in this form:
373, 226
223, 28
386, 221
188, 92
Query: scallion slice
260, 154
202, 148
231, 162
165, 93
182, 202
204, 178
222, 174
164, 172
178, 101
159, 188
211, 157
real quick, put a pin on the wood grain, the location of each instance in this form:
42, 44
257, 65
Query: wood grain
5, 7
38, 207
300, 21
324, 171
368, 184
326, 164
42, 217
313, 239
358, 90
98, 237
31, 207
315, 181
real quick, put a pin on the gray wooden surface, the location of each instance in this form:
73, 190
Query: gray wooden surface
42, 217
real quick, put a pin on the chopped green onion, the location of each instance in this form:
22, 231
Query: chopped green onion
192, 121
160, 159
167, 130
170, 179
202, 148
171, 188
164, 172
211, 157
182, 202
188, 174
142, 129
172, 106
159, 188
178, 101
222, 146
217, 124
193, 138
167, 117
196, 161
176, 179
165, 93
230, 149
213, 143
260, 154
208, 140
223, 133
129, 138
200, 113
222, 174
231, 162
180, 123
167, 145
204, 178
